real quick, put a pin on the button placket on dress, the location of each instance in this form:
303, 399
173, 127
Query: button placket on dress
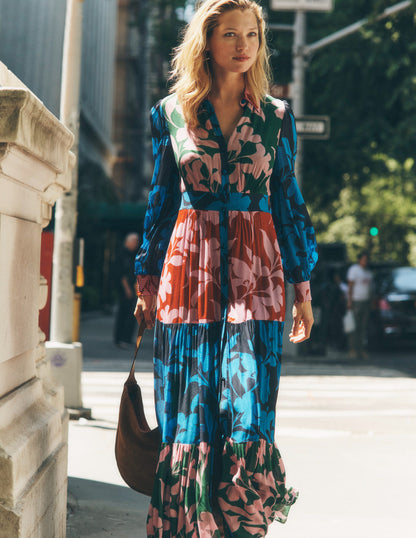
224, 198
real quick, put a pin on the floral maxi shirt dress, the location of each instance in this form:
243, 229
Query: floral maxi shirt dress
225, 226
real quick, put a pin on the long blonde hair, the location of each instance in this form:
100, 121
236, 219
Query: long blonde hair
190, 65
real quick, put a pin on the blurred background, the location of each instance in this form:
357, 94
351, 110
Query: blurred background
359, 182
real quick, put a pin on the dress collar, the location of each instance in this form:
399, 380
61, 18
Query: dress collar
248, 99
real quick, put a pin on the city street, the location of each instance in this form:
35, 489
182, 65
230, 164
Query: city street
346, 430
231, 147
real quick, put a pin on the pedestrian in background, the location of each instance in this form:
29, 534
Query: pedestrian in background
126, 280
359, 301
225, 225
337, 294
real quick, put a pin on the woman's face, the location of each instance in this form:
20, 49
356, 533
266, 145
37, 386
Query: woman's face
234, 42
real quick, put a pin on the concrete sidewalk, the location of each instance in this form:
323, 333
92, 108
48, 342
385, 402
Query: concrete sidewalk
98, 509
101, 505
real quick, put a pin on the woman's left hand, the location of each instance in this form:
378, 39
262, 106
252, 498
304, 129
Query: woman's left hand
302, 322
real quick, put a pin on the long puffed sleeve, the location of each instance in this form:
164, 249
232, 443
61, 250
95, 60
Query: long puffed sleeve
162, 207
293, 225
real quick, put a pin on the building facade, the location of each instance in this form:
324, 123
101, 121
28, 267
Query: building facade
32, 45
35, 169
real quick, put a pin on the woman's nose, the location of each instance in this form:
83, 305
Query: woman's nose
241, 43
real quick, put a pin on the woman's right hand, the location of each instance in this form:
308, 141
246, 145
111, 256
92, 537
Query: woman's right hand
146, 310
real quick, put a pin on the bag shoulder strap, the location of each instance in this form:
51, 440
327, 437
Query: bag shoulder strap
140, 332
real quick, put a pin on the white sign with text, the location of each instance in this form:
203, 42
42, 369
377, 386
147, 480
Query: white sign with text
305, 5
314, 127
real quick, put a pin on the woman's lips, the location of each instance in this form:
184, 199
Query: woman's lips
241, 58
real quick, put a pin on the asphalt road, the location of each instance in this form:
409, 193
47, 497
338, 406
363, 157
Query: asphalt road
346, 430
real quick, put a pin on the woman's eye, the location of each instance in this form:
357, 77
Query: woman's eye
230, 34
252, 34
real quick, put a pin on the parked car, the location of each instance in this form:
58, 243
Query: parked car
394, 306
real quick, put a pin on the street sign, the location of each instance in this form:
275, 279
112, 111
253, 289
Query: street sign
304, 5
313, 127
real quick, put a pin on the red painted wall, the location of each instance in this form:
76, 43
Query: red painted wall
46, 271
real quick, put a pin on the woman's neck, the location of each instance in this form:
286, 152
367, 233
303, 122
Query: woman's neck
228, 88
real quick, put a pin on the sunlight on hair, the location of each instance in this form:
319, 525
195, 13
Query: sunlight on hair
191, 72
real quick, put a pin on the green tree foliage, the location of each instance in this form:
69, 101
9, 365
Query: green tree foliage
366, 83
386, 201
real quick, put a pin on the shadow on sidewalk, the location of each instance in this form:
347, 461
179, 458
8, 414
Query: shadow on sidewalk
98, 509
101, 354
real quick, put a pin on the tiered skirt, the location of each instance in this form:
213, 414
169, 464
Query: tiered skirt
217, 358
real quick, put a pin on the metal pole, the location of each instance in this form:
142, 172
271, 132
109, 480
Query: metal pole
348, 30
298, 86
66, 207
65, 356
299, 66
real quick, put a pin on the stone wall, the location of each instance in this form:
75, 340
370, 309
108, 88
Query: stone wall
35, 165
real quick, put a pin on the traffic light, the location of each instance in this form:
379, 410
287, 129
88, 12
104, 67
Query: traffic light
374, 231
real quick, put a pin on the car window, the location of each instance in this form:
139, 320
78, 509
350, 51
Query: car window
405, 279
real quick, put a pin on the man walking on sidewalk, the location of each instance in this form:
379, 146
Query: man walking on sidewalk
125, 321
359, 293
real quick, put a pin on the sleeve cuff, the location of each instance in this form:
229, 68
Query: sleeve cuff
147, 285
303, 292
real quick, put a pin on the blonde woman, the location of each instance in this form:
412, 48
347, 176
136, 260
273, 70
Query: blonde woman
225, 227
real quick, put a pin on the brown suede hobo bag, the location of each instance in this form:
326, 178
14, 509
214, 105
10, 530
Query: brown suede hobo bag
137, 446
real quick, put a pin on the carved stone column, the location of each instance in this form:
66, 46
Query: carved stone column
35, 169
